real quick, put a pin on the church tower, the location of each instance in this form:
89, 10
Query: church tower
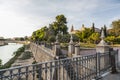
72, 29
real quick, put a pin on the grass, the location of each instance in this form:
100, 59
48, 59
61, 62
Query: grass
84, 45
87, 45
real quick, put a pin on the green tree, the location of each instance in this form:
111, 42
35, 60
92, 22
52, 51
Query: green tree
110, 39
60, 24
64, 38
51, 30
94, 38
117, 40
0, 62
111, 32
84, 35
26, 38
51, 38
93, 28
40, 34
105, 30
116, 27
79, 35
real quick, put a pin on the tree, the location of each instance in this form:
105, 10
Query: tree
116, 27
105, 30
64, 38
93, 28
111, 32
60, 24
110, 39
0, 62
51, 38
26, 38
83, 35
94, 38
40, 34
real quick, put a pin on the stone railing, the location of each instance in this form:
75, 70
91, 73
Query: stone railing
76, 68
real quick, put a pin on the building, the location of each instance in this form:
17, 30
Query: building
72, 31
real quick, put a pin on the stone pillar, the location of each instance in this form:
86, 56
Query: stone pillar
102, 48
57, 47
71, 47
77, 49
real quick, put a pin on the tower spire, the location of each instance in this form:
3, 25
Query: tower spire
72, 28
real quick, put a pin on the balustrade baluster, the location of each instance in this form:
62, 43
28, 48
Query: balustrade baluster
27, 73
40, 71
33, 74
46, 71
11, 74
19, 73
76, 69
51, 71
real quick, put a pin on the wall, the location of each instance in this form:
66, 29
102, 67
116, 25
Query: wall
41, 54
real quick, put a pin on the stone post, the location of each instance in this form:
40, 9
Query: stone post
102, 48
77, 49
57, 47
71, 47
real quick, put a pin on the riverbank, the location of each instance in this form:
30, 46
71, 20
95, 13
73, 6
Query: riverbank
21, 57
23, 60
12, 60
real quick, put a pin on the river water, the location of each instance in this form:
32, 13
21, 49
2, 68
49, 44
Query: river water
6, 52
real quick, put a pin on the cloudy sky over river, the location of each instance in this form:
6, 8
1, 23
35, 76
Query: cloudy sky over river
22, 17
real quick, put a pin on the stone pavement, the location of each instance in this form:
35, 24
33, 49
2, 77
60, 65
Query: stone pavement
112, 76
115, 76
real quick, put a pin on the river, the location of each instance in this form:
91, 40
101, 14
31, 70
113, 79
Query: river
6, 52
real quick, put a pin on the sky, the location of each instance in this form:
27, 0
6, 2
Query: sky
19, 18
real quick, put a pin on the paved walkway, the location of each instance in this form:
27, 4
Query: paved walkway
112, 77
115, 76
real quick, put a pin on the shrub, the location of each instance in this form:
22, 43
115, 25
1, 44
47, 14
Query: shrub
0, 62
26, 55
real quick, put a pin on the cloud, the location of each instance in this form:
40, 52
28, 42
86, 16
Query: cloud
24, 16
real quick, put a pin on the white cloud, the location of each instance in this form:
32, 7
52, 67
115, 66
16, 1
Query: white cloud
22, 17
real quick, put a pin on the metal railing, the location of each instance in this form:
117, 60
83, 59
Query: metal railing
77, 68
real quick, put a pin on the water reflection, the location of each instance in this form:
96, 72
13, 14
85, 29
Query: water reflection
6, 52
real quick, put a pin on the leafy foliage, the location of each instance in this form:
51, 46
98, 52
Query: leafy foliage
26, 55
51, 38
48, 34
40, 34
0, 62
60, 25
105, 30
84, 35
116, 27
110, 39
94, 37
88, 35
93, 28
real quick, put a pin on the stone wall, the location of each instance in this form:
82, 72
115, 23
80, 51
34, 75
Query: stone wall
40, 53
43, 54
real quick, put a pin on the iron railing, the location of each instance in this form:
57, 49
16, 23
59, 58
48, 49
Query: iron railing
77, 68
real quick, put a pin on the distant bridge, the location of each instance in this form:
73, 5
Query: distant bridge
15, 41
